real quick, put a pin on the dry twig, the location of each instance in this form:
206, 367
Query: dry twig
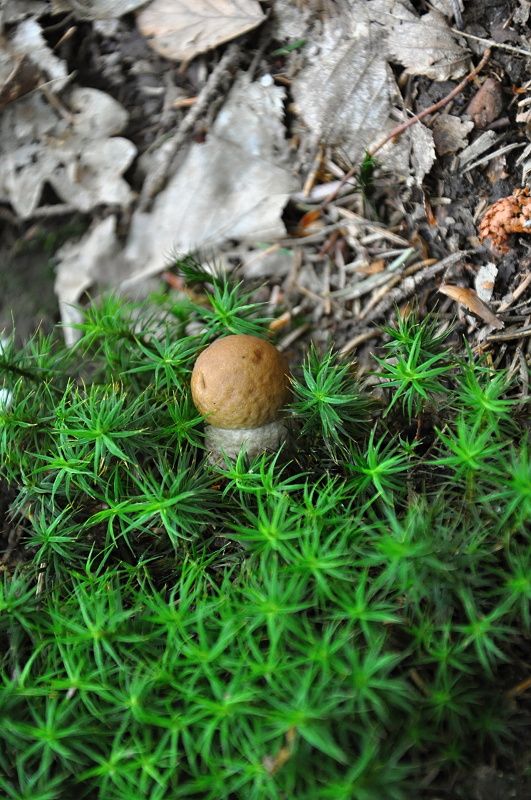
155, 180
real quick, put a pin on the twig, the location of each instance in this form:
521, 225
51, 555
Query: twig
524, 376
57, 210
492, 44
506, 336
155, 180
520, 688
515, 295
380, 293
399, 129
411, 283
312, 175
362, 336
288, 340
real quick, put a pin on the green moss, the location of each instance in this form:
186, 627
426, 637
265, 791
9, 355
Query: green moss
317, 623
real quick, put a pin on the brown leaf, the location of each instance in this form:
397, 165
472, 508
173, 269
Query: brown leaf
469, 299
487, 104
181, 29
23, 78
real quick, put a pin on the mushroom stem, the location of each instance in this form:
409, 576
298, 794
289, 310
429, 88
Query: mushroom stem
224, 443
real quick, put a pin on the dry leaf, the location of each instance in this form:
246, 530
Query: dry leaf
450, 133
484, 282
29, 41
469, 299
426, 46
26, 61
80, 265
487, 103
97, 9
82, 160
344, 92
181, 29
234, 186
18, 76
15, 10
289, 20
448, 7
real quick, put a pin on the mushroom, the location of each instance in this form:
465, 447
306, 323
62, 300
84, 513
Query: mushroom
240, 383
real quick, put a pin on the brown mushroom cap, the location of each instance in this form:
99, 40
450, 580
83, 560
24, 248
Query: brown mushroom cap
240, 381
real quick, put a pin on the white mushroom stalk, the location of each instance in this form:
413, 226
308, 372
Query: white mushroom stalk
240, 383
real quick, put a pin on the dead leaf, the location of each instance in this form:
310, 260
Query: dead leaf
15, 10
26, 61
343, 93
346, 93
181, 29
81, 264
450, 133
422, 151
81, 159
18, 76
487, 103
97, 9
484, 282
426, 46
521, 15
289, 20
28, 40
448, 7
469, 299
241, 184
411, 156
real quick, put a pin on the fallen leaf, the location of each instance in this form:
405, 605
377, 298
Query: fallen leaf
469, 299
289, 20
346, 93
448, 7
450, 133
422, 151
18, 76
26, 61
426, 46
28, 40
97, 9
521, 15
484, 282
81, 264
81, 158
241, 184
343, 93
487, 103
181, 29
15, 10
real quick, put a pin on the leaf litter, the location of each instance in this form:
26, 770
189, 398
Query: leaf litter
278, 133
